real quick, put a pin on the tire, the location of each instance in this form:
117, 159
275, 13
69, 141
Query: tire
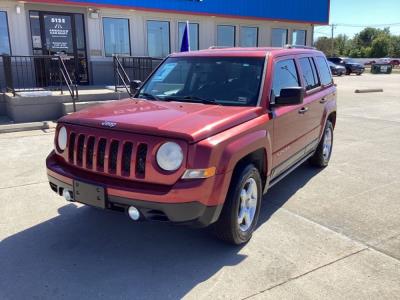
228, 227
323, 153
358, 74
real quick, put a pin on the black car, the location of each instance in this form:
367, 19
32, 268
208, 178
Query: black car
350, 65
337, 70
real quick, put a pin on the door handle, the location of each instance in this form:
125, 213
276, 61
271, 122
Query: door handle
303, 110
323, 100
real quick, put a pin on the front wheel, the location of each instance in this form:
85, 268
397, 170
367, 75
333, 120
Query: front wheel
239, 216
323, 153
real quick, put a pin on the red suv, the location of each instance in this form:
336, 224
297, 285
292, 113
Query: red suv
203, 139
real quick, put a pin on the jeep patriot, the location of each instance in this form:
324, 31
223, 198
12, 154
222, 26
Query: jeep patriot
203, 138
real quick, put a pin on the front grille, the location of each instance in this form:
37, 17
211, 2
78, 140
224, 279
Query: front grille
108, 156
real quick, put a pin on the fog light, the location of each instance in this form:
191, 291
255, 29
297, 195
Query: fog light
67, 195
133, 213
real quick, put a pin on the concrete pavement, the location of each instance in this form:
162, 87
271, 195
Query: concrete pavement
329, 234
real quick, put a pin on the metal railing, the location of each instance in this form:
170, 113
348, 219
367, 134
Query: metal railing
130, 68
31, 73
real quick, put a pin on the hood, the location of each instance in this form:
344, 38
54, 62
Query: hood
189, 121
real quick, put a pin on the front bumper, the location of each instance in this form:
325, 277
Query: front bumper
194, 202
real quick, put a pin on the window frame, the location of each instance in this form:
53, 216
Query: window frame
198, 34
305, 36
275, 62
104, 36
249, 26
311, 60
319, 72
8, 30
146, 32
234, 34
287, 35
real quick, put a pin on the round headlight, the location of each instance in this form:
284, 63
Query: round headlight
62, 138
170, 156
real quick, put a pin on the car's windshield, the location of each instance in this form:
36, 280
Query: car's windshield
211, 80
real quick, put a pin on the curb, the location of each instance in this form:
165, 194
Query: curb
24, 127
368, 91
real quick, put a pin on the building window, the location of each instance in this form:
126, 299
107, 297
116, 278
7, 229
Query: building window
226, 36
248, 36
158, 43
299, 37
116, 36
279, 37
4, 34
193, 35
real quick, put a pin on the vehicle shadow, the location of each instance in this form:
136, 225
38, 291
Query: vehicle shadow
88, 253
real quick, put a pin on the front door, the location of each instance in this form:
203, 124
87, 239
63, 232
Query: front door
61, 34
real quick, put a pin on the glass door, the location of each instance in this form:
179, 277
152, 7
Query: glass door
61, 34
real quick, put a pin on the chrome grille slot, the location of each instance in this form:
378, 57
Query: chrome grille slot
126, 159
79, 156
71, 147
101, 152
141, 160
90, 152
112, 158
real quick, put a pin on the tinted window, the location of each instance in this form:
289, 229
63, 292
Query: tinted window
248, 36
4, 37
299, 37
193, 35
158, 38
116, 36
309, 73
324, 71
279, 37
226, 36
285, 76
226, 80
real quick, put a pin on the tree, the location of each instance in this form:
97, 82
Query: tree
380, 46
394, 50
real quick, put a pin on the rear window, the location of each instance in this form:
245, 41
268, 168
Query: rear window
285, 76
324, 71
309, 73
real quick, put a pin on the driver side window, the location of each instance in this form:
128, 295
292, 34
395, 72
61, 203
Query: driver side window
285, 76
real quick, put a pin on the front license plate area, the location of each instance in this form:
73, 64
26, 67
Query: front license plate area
89, 194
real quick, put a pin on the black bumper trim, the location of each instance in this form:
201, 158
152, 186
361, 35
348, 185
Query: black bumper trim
193, 214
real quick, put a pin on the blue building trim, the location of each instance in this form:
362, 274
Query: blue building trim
304, 11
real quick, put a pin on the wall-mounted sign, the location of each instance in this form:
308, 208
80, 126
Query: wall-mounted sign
58, 31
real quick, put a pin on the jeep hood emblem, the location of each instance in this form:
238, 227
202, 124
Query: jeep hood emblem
108, 124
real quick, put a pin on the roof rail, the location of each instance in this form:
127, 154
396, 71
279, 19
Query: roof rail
288, 46
219, 47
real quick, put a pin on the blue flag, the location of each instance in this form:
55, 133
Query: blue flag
185, 46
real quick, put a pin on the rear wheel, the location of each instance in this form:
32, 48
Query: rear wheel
239, 216
323, 153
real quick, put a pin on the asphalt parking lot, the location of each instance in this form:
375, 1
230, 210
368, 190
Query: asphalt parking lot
329, 234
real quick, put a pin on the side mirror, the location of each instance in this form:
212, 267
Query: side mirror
134, 85
290, 96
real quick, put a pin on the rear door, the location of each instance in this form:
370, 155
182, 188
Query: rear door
289, 121
313, 100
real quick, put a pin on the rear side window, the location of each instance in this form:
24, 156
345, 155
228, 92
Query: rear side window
309, 73
285, 76
324, 71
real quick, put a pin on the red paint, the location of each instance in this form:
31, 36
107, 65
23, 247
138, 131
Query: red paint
210, 136
172, 11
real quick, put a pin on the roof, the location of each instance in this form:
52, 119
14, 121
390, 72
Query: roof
244, 52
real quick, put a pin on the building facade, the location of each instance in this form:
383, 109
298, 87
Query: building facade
92, 31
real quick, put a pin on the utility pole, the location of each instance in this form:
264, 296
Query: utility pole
332, 40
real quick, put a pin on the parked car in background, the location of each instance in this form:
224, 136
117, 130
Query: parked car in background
337, 70
203, 139
350, 65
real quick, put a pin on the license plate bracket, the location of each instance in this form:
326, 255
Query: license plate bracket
89, 194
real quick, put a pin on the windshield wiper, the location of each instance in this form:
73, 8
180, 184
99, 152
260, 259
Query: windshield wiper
149, 96
202, 100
